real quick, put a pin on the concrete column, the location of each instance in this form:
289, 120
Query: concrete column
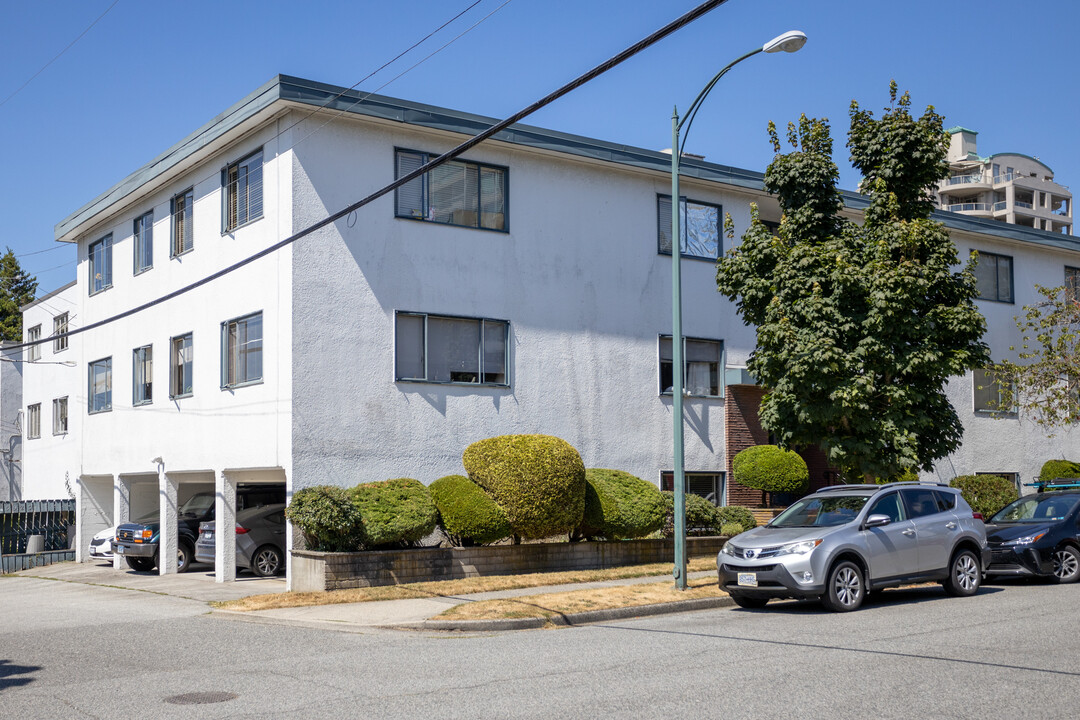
168, 488
225, 528
289, 540
82, 540
121, 510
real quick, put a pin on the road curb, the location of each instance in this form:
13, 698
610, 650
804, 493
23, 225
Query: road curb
568, 620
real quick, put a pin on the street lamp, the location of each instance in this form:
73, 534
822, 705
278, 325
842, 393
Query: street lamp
788, 42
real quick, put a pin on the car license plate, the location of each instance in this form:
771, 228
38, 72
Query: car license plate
747, 579
119, 549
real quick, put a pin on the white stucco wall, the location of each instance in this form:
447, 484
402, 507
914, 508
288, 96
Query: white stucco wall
578, 277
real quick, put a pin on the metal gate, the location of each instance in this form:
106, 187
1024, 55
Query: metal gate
21, 519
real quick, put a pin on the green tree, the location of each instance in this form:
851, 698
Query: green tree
859, 327
16, 289
1045, 377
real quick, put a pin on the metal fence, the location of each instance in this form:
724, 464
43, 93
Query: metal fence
48, 518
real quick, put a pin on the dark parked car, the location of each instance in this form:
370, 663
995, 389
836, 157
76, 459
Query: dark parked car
260, 539
1037, 535
137, 542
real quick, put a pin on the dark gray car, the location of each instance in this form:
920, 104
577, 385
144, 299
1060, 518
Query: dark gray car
260, 540
843, 541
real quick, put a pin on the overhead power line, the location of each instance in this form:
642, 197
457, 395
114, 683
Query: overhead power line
472, 142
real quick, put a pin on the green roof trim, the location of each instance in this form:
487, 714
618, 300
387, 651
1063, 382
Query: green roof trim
316, 94
955, 129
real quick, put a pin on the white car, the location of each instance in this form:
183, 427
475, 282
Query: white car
101, 544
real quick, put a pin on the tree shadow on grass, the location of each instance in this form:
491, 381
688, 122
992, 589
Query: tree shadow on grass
7, 671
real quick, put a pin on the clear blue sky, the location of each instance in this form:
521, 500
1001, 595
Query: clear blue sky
149, 73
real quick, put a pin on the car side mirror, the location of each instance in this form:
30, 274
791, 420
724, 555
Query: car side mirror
877, 520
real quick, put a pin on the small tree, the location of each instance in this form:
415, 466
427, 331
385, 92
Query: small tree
770, 469
16, 289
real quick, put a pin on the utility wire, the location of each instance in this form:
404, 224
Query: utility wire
57, 57
475, 140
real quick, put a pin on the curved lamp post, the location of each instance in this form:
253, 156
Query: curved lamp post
788, 42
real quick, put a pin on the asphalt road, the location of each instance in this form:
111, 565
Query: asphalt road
77, 651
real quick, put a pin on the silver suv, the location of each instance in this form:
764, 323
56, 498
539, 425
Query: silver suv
841, 542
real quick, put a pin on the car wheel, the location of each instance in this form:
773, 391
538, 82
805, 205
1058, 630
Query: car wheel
750, 603
965, 575
183, 557
140, 564
845, 590
266, 562
1066, 564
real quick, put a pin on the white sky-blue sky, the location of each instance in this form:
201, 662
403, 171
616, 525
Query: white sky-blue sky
149, 73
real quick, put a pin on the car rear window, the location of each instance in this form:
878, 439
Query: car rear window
920, 502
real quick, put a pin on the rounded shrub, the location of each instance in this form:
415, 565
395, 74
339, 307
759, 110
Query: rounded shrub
985, 494
619, 505
702, 517
731, 529
327, 518
539, 480
467, 514
395, 512
1054, 469
768, 468
736, 515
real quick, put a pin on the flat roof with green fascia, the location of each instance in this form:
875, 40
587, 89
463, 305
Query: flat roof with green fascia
322, 95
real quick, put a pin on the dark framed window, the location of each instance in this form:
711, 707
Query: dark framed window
99, 392
243, 191
445, 349
710, 486
100, 254
143, 236
457, 192
60, 327
994, 277
33, 421
703, 362
60, 416
142, 380
242, 350
993, 391
33, 352
180, 365
699, 228
1072, 283
182, 211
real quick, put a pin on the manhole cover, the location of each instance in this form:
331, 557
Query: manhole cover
201, 698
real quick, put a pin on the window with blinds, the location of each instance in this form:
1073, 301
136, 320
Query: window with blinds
60, 328
143, 235
33, 421
994, 277
142, 364
180, 362
699, 228
993, 391
60, 416
442, 349
99, 392
455, 193
243, 191
703, 361
242, 351
33, 352
709, 485
183, 230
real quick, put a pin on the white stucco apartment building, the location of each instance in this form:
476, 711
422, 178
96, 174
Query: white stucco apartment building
523, 288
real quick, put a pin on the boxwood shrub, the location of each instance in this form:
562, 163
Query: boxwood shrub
736, 515
985, 494
539, 480
702, 517
768, 468
1053, 469
619, 505
467, 514
731, 529
395, 512
327, 518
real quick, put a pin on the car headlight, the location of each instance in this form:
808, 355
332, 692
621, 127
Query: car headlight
727, 549
799, 548
1027, 539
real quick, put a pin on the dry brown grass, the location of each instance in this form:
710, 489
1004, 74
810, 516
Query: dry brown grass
576, 601
455, 587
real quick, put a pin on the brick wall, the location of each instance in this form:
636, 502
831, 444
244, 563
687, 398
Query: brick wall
335, 571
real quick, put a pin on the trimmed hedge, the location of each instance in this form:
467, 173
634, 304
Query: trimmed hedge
735, 515
731, 529
768, 468
1053, 469
619, 505
327, 518
985, 494
702, 517
539, 480
395, 512
467, 514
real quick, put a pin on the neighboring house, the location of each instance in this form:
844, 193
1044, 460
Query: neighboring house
11, 418
522, 288
1008, 187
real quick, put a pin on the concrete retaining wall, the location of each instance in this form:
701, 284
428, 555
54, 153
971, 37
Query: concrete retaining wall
312, 571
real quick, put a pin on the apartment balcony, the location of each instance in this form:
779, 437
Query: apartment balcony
966, 183
977, 209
